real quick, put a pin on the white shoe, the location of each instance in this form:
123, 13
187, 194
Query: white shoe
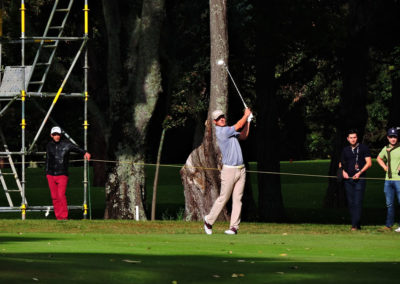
231, 231
397, 230
207, 227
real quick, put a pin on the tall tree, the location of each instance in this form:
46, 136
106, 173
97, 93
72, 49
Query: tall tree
134, 85
199, 175
352, 111
270, 201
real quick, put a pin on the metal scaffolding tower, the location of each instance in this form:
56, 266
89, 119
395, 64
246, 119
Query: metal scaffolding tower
19, 83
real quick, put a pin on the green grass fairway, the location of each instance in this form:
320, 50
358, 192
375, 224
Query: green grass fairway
47, 251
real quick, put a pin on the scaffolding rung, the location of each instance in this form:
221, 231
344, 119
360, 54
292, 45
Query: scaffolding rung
10, 209
50, 45
7, 174
42, 64
56, 27
36, 82
12, 190
10, 153
54, 38
63, 10
35, 208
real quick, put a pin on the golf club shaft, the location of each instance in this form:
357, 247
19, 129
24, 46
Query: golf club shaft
237, 89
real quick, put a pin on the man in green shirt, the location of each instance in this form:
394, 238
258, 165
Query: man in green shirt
389, 160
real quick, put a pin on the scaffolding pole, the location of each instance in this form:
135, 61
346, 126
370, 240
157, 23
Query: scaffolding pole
85, 124
57, 95
23, 123
1, 36
21, 93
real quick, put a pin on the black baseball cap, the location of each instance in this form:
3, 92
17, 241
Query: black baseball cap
392, 132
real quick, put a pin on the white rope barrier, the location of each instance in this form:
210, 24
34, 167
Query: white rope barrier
202, 168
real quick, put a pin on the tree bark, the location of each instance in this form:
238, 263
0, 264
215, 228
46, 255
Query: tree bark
134, 85
200, 177
219, 51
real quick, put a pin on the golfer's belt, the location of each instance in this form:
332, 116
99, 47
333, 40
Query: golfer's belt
234, 167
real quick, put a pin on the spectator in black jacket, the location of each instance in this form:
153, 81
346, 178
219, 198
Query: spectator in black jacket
354, 162
57, 159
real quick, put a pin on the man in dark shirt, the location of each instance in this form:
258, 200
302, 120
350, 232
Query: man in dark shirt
355, 161
57, 159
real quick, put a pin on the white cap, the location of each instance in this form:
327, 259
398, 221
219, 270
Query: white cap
55, 129
217, 113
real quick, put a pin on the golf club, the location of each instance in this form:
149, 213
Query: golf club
222, 63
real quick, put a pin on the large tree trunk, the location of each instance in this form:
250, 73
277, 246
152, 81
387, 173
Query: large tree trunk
201, 179
98, 103
353, 112
270, 203
200, 176
134, 83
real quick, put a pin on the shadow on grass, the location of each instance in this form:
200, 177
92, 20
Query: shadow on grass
370, 216
4, 239
133, 268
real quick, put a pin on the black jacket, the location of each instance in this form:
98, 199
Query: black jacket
57, 156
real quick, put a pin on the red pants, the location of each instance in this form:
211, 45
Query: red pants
58, 186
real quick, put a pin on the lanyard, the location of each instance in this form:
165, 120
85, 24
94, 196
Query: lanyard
389, 171
358, 148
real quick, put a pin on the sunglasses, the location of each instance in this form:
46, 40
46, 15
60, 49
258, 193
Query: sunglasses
55, 134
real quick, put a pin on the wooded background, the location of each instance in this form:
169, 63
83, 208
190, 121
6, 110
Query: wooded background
309, 69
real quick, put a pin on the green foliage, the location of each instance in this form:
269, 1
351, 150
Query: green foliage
187, 62
308, 33
395, 68
169, 215
379, 98
318, 145
180, 214
189, 97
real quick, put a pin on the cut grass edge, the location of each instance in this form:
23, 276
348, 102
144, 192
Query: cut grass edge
175, 227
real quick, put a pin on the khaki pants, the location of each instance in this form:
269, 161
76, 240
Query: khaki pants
232, 183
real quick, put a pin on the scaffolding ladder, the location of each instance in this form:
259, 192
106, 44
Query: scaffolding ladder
43, 60
13, 172
22, 82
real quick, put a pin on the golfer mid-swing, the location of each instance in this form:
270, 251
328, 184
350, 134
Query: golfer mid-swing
233, 173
